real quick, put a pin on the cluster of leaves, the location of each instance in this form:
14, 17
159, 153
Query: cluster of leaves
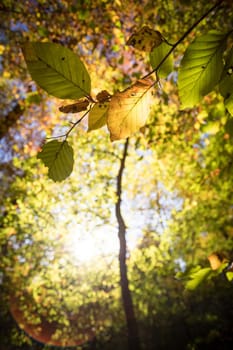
198, 168
190, 315
65, 77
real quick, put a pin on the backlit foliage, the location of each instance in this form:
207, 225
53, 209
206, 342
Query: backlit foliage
77, 87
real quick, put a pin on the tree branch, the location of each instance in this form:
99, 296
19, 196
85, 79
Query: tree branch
5, 9
119, 186
10, 119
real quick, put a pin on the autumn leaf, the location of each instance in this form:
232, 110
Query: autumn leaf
75, 107
97, 116
219, 261
215, 260
145, 39
129, 110
103, 96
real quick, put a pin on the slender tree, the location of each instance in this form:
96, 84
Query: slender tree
131, 321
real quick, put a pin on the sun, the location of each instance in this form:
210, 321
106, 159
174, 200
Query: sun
90, 245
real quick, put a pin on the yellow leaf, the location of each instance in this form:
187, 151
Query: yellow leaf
97, 116
146, 39
129, 109
216, 260
2, 48
6, 74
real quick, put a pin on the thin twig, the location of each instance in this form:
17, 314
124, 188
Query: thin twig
74, 124
108, 153
9, 10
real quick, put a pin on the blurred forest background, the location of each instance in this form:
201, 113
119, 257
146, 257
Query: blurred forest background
59, 270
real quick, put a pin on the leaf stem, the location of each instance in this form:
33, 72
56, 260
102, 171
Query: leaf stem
76, 123
217, 4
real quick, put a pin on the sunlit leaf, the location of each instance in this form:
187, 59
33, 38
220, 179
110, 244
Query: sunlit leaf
229, 276
145, 39
129, 110
197, 278
216, 260
156, 57
58, 157
201, 67
229, 104
57, 70
226, 84
33, 97
97, 116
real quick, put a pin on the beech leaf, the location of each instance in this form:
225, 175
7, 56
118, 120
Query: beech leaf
156, 57
215, 261
75, 107
103, 96
226, 83
57, 70
201, 67
145, 39
97, 116
197, 278
129, 110
59, 158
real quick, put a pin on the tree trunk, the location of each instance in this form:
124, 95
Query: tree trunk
131, 322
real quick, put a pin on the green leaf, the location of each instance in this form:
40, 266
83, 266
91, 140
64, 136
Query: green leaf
128, 110
201, 67
229, 276
97, 116
58, 157
33, 97
198, 277
226, 83
229, 104
57, 70
156, 57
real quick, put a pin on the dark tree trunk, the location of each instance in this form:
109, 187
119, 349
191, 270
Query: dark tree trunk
10, 119
131, 322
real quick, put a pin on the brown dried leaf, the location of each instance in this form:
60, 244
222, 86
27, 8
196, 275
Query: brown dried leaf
75, 107
103, 96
